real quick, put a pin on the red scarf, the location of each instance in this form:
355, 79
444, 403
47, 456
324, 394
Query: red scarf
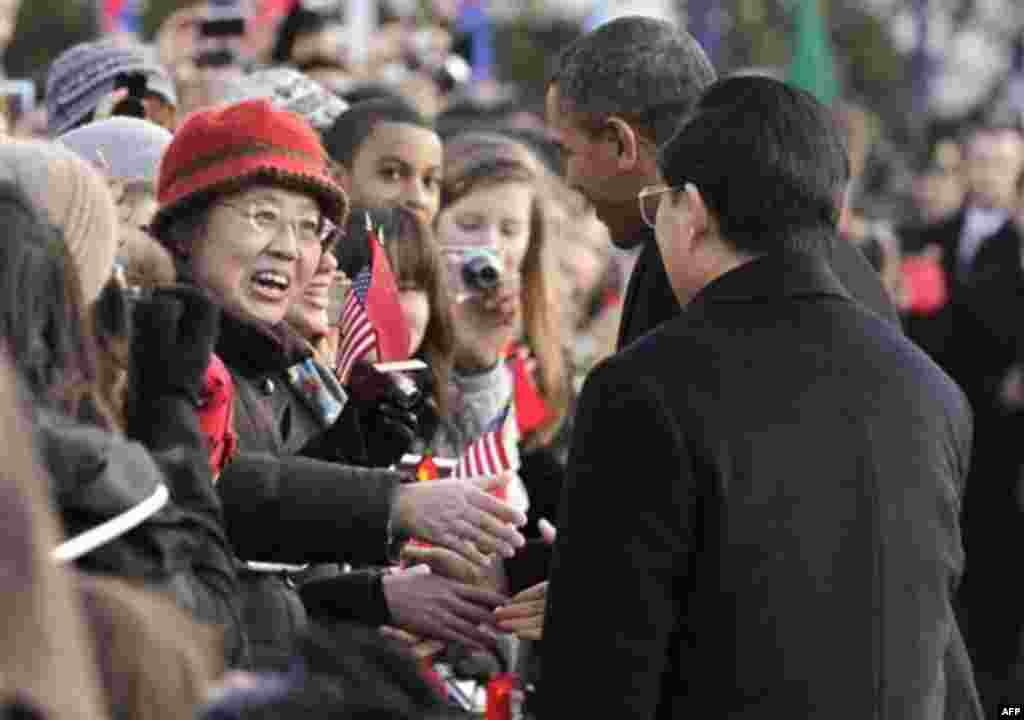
215, 414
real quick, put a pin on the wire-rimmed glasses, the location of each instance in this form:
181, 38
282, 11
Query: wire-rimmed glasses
649, 199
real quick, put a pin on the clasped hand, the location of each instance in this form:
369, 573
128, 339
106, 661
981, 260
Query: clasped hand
462, 516
524, 613
426, 607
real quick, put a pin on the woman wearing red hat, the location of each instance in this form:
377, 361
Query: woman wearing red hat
247, 207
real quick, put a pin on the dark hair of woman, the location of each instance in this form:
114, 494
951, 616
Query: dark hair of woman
44, 324
416, 264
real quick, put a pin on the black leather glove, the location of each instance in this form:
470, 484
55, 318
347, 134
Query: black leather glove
387, 405
174, 332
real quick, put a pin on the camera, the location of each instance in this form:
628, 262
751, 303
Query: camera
449, 72
472, 270
369, 385
220, 31
480, 269
224, 18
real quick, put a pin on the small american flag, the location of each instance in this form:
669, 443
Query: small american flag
372, 320
358, 337
495, 451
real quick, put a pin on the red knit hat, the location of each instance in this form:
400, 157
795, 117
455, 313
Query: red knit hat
224, 149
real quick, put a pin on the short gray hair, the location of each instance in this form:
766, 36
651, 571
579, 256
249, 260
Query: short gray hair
644, 70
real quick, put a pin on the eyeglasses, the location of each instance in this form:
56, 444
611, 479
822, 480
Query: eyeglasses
267, 220
649, 199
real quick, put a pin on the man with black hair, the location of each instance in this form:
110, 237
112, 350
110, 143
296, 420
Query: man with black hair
617, 94
788, 544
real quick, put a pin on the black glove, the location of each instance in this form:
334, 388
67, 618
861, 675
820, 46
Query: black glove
174, 333
387, 405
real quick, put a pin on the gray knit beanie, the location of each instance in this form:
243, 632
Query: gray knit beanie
126, 148
290, 90
84, 74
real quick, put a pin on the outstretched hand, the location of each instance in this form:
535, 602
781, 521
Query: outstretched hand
524, 614
429, 606
443, 562
462, 516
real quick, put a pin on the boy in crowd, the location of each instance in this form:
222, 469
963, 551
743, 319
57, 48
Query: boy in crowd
389, 155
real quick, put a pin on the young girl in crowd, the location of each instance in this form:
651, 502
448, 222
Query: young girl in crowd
508, 344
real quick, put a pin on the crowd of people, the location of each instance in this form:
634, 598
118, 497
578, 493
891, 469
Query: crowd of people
786, 430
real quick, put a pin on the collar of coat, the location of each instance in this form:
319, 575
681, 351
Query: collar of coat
773, 276
254, 349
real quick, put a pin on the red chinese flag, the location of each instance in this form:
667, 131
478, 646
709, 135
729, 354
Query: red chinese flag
531, 410
383, 308
427, 468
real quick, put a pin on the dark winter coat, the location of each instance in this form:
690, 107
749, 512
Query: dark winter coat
283, 506
776, 534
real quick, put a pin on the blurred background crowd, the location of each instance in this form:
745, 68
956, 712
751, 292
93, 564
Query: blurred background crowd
120, 161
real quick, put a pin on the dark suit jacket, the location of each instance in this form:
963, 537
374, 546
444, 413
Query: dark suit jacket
989, 340
650, 301
760, 517
988, 312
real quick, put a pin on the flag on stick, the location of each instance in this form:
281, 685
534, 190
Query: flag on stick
426, 469
372, 321
494, 452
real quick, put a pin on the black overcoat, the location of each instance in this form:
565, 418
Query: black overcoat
760, 517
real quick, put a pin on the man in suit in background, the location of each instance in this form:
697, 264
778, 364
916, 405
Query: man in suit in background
617, 94
989, 337
971, 337
786, 544
993, 157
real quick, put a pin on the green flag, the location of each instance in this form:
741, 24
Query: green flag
810, 66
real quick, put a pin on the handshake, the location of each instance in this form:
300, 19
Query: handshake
446, 595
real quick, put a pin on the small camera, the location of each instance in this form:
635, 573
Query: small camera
369, 385
449, 72
220, 31
481, 270
472, 270
224, 18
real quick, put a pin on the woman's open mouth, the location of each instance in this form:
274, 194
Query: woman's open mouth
271, 285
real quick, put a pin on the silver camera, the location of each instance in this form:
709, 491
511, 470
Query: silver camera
472, 270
